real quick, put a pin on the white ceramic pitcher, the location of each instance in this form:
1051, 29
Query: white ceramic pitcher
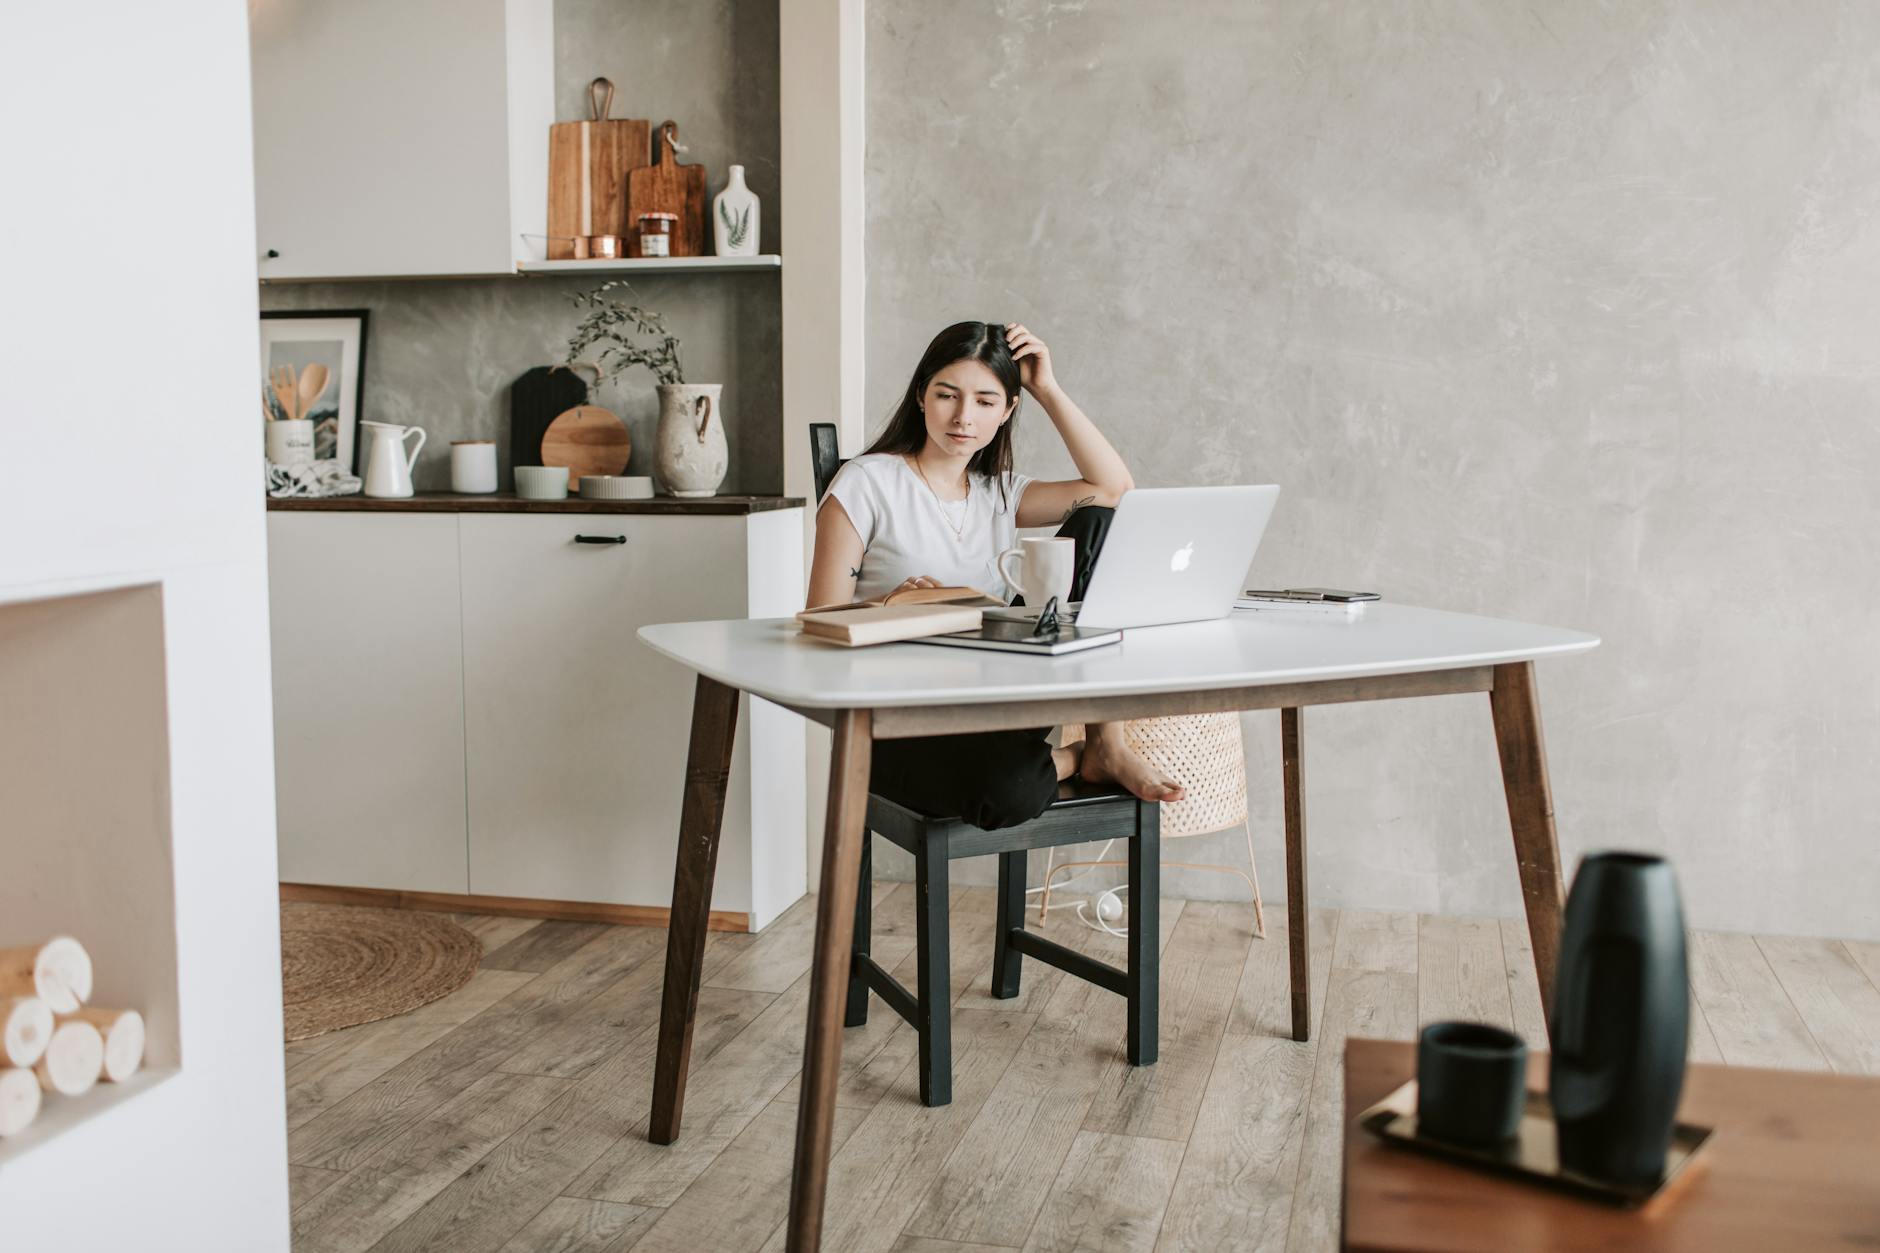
388, 465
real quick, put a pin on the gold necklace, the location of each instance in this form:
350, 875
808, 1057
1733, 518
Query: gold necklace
959, 532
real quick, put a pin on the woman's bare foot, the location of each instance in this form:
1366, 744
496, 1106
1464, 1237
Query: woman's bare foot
1108, 758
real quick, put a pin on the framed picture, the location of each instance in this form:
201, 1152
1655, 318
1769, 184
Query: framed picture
335, 339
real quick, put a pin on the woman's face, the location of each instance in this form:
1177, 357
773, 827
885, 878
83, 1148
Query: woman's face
964, 407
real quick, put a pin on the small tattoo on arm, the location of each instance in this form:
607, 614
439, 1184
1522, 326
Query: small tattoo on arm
855, 572
1075, 506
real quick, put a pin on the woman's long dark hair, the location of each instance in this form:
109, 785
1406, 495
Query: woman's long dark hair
983, 342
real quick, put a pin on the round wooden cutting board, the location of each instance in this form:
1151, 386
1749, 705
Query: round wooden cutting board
588, 440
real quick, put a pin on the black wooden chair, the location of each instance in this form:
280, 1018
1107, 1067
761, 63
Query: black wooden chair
1080, 814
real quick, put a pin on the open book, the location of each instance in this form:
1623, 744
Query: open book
908, 614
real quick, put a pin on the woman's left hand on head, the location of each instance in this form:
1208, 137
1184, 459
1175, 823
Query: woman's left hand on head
1034, 359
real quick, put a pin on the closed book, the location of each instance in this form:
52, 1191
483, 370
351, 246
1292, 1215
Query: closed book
883, 624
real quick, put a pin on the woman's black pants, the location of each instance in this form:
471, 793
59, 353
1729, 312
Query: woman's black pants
992, 779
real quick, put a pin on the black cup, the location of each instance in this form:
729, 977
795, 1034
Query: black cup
1471, 1083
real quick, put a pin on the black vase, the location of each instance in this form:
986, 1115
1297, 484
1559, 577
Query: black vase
1621, 1018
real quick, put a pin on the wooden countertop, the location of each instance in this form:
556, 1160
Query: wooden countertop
509, 502
1791, 1167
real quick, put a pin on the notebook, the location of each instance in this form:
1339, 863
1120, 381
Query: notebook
1023, 637
917, 596
906, 614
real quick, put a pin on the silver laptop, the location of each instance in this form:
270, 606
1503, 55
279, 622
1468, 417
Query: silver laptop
1173, 554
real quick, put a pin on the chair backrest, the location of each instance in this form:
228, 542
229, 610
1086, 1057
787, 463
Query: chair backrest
824, 455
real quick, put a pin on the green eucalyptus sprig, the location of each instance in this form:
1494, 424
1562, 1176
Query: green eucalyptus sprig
632, 335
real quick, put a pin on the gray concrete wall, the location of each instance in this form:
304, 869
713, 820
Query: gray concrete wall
1561, 312
441, 355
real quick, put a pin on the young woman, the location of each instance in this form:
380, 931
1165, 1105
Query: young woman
932, 503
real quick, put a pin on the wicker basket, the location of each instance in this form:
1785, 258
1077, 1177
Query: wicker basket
1203, 752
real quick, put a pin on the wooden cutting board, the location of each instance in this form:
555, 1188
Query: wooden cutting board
588, 440
536, 399
588, 164
668, 187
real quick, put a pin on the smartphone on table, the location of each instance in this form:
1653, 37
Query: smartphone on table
1316, 595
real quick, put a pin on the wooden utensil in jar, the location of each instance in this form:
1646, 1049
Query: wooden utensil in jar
280, 380
312, 386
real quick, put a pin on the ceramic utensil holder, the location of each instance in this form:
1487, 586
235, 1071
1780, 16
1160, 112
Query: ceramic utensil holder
290, 441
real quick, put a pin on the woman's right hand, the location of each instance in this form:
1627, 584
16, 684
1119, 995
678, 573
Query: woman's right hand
919, 580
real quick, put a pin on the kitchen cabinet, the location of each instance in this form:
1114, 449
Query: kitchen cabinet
400, 139
560, 738
368, 700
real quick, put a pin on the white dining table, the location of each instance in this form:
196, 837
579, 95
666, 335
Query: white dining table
1285, 659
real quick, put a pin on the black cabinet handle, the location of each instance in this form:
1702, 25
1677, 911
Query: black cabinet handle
272, 254
600, 539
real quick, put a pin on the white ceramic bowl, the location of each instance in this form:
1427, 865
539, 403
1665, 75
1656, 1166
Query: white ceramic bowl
542, 482
617, 487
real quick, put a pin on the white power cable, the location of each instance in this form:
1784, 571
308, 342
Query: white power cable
1064, 883
1108, 907
1108, 903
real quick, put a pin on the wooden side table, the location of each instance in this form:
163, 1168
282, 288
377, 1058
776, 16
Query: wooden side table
1794, 1164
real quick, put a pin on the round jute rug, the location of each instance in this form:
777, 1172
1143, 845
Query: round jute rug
342, 965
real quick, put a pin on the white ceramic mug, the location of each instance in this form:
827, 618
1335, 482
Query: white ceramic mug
1045, 569
473, 465
290, 441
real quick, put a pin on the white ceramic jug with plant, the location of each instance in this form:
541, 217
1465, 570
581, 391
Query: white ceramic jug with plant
690, 455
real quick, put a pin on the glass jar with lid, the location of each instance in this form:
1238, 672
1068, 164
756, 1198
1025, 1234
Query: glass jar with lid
656, 234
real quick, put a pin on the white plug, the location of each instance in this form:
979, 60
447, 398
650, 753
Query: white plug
1109, 906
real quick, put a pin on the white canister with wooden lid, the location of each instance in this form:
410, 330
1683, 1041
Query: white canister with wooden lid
473, 465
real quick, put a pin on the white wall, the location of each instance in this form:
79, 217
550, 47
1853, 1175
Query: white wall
821, 94
128, 420
1557, 311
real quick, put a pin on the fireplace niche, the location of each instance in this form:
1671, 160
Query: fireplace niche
85, 840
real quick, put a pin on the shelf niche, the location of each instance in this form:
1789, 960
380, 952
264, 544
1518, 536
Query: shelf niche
85, 844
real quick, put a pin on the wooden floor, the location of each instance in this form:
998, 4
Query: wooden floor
511, 1115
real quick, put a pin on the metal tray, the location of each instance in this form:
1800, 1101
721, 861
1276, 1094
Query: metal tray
1533, 1155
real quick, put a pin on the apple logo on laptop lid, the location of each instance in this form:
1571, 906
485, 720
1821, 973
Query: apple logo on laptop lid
1183, 555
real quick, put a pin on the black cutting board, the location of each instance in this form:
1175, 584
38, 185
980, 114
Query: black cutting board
537, 398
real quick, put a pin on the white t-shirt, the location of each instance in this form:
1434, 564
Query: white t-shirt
906, 530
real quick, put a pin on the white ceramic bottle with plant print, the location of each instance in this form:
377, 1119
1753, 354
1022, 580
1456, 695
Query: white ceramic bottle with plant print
734, 218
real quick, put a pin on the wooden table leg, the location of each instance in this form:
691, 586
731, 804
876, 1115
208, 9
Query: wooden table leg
1298, 921
701, 814
846, 815
1516, 709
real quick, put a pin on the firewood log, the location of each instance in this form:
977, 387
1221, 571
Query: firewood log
19, 1100
58, 972
74, 1059
123, 1031
25, 1026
